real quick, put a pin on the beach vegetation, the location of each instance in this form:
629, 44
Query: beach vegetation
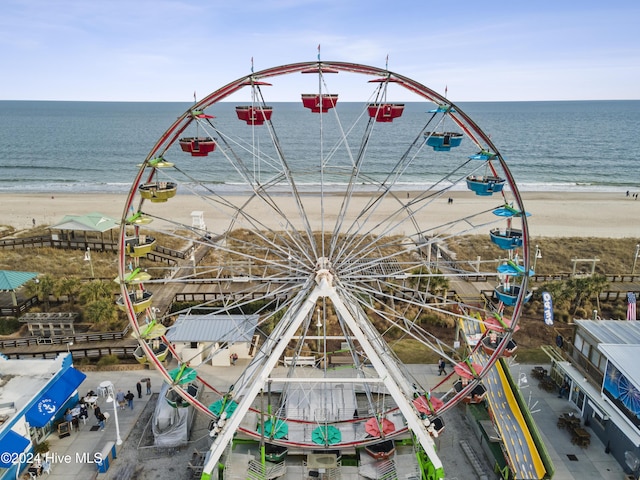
9, 325
96, 290
422, 279
574, 297
613, 255
68, 287
103, 313
108, 360
6, 230
42, 287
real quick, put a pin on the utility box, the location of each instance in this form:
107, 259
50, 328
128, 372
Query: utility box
107, 455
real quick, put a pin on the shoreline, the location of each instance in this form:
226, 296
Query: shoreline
553, 214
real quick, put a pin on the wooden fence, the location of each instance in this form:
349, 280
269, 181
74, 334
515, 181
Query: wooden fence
64, 339
77, 353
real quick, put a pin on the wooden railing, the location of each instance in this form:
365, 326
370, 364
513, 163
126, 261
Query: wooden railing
15, 243
65, 339
605, 296
91, 351
170, 252
17, 310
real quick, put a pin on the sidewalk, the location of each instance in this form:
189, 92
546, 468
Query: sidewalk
570, 461
74, 456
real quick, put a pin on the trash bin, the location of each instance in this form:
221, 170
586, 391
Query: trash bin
106, 456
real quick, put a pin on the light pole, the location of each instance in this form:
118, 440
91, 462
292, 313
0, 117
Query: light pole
536, 257
87, 258
318, 326
635, 258
111, 399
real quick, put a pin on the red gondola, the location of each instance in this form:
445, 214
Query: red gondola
312, 101
381, 451
385, 112
491, 341
476, 395
254, 115
197, 146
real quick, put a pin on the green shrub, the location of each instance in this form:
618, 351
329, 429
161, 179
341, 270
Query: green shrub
108, 360
9, 325
42, 447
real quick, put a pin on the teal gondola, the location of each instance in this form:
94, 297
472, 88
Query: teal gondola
506, 238
509, 297
485, 185
443, 141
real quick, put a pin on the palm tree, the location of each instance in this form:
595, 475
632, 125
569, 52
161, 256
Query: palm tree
96, 290
585, 288
423, 280
101, 312
41, 287
69, 287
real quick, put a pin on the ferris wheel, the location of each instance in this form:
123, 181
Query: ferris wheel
313, 235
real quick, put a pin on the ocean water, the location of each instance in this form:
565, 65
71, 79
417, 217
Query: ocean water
96, 146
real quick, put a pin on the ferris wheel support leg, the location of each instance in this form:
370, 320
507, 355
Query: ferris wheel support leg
392, 379
248, 396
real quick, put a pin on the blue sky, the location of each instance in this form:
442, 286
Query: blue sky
164, 50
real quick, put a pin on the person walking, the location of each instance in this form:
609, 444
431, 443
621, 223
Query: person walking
139, 389
120, 399
100, 417
129, 397
147, 381
441, 366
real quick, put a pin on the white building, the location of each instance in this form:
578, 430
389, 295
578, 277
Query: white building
34, 393
214, 338
601, 369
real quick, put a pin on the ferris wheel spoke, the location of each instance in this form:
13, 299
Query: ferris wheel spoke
337, 284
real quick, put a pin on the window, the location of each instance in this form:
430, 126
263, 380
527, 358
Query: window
595, 356
193, 345
598, 416
578, 343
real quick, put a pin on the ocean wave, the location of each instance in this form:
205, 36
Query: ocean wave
220, 188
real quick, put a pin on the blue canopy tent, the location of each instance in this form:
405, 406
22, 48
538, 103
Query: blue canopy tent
54, 397
11, 445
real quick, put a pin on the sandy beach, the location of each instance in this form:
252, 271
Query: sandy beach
553, 214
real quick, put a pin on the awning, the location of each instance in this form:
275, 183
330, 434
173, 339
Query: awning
54, 397
13, 445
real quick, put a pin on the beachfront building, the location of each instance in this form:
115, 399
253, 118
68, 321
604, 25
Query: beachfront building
600, 366
34, 394
214, 339
93, 230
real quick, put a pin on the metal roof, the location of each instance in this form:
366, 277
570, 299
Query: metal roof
612, 331
10, 280
213, 328
91, 222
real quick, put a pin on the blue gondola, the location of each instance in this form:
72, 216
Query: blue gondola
506, 239
443, 141
509, 297
485, 185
